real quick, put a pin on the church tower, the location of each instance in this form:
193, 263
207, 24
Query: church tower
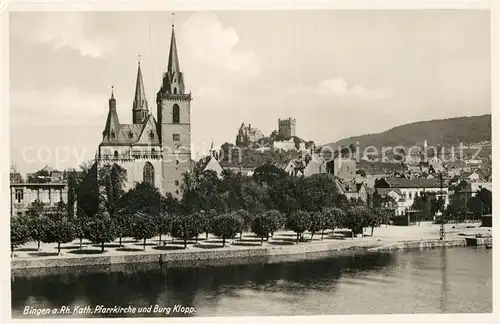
140, 106
174, 123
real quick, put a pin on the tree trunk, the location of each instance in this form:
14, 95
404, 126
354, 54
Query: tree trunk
352, 234
159, 239
38, 245
262, 240
185, 242
144, 245
120, 241
372, 231
241, 234
58, 248
12, 250
81, 242
312, 235
267, 237
223, 241
272, 233
297, 238
322, 233
206, 235
102, 247
196, 239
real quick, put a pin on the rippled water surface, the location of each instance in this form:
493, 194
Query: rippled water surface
449, 280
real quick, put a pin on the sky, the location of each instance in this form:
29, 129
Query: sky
339, 73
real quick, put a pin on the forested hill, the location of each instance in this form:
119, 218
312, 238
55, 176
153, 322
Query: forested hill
446, 132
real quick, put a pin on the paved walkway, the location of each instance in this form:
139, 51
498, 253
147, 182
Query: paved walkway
381, 235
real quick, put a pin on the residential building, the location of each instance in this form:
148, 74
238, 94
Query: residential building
412, 188
213, 165
352, 189
305, 166
343, 168
23, 194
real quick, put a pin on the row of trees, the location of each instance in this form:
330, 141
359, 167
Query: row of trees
233, 203
57, 227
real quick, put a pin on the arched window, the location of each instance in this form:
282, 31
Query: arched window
149, 174
116, 154
175, 90
175, 114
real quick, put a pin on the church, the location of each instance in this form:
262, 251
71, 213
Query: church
156, 151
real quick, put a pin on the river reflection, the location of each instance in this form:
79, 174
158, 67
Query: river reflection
440, 280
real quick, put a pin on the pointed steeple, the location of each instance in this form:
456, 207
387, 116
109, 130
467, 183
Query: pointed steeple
173, 58
112, 100
112, 123
173, 78
140, 107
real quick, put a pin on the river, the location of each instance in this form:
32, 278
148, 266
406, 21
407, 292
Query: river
445, 280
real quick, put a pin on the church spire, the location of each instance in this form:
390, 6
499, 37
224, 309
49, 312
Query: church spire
173, 58
140, 107
112, 123
173, 79
112, 100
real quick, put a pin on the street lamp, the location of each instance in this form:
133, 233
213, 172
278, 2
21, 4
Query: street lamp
442, 233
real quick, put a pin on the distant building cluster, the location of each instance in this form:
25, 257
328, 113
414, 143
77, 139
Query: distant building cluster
284, 139
248, 135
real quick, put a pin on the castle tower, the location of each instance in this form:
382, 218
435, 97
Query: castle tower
140, 106
174, 123
286, 127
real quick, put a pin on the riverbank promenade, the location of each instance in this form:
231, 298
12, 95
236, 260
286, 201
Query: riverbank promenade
283, 242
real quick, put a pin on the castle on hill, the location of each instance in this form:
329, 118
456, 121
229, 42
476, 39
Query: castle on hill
284, 139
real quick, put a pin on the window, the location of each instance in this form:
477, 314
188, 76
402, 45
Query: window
19, 195
175, 90
409, 195
116, 154
176, 182
112, 134
177, 162
151, 135
176, 137
148, 174
130, 134
175, 114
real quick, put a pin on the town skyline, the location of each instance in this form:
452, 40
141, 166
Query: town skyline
58, 101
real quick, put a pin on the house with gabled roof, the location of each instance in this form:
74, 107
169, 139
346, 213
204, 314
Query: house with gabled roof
412, 188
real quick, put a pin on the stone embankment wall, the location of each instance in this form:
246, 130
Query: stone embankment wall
201, 257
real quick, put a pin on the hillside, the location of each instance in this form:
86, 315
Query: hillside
446, 132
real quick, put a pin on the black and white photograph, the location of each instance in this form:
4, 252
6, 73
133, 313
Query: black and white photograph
242, 163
